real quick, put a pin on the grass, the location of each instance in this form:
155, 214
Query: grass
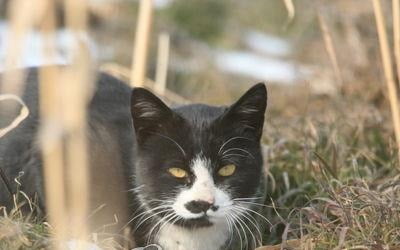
335, 176
335, 180
29, 233
18, 232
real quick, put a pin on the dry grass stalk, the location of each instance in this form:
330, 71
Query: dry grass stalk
330, 48
22, 15
123, 73
23, 114
63, 110
290, 9
52, 153
51, 132
396, 33
387, 67
162, 64
138, 73
76, 94
295, 244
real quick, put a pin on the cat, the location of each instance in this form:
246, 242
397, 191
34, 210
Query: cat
184, 178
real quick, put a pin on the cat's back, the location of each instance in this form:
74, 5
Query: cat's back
110, 143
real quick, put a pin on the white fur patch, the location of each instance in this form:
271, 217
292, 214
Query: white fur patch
203, 189
172, 237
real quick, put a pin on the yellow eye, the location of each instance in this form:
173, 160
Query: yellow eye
227, 170
178, 172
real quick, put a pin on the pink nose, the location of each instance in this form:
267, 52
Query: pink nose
210, 200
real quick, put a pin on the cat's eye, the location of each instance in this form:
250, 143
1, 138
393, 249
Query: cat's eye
227, 170
178, 172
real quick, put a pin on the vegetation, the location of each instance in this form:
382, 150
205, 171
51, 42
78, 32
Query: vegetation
332, 159
201, 19
334, 177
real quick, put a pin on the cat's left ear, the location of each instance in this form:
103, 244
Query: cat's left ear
248, 112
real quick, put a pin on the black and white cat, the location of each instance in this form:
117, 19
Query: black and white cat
195, 172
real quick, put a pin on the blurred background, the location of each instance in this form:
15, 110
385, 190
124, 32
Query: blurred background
224, 45
328, 113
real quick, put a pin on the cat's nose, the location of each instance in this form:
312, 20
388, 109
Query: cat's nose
199, 206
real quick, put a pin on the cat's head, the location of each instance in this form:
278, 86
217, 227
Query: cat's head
196, 162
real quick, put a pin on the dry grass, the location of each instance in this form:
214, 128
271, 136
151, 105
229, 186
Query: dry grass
20, 233
388, 68
22, 229
354, 215
326, 156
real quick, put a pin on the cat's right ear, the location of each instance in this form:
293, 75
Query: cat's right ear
149, 113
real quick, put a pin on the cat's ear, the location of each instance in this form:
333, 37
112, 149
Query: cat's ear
248, 112
149, 113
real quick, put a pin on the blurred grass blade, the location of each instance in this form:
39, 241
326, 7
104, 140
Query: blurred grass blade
76, 86
326, 165
139, 63
330, 48
23, 114
388, 69
162, 64
290, 9
396, 34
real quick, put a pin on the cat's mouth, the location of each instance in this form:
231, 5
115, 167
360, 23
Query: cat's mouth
203, 221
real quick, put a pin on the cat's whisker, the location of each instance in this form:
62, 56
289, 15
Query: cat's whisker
249, 198
166, 201
228, 155
249, 218
245, 227
175, 218
172, 140
241, 216
238, 220
236, 228
230, 229
146, 207
147, 210
136, 189
255, 212
132, 219
151, 216
171, 215
231, 139
257, 204
239, 149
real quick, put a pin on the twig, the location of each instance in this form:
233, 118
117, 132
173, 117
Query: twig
122, 73
290, 9
387, 67
330, 48
23, 114
162, 64
51, 131
138, 71
76, 89
396, 34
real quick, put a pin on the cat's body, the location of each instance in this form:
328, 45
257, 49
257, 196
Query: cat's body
187, 178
